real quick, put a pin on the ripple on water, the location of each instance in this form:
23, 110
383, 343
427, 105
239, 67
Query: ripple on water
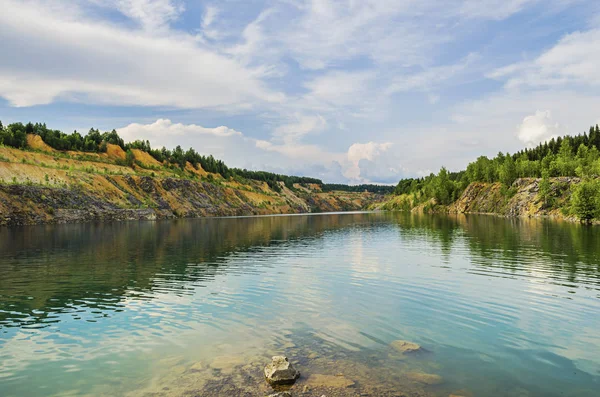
491, 300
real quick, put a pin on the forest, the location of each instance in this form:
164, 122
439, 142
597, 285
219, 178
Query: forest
567, 156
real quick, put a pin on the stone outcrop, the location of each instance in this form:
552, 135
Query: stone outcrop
281, 372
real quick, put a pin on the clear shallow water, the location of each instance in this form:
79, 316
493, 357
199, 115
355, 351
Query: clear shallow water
504, 307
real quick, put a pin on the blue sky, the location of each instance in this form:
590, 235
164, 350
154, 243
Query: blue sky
348, 91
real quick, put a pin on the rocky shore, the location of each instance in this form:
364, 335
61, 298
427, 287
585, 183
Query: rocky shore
145, 198
404, 369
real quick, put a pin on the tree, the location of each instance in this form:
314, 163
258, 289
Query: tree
545, 187
594, 137
585, 201
129, 158
443, 188
508, 171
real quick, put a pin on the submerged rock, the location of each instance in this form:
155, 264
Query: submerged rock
406, 347
281, 372
338, 381
427, 379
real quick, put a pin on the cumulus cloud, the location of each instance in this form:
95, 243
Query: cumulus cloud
165, 128
373, 162
538, 127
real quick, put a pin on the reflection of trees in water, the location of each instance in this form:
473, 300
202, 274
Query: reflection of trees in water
437, 229
570, 251
50, 269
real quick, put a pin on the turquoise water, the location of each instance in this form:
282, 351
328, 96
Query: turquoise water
502, 307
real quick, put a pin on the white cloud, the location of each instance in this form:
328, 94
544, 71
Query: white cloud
210, 13
430, 77
166, 129
300, 126
339, 87
328, 31
537, 128
99, 63
150, 14
573, 60
373, 161
493, 9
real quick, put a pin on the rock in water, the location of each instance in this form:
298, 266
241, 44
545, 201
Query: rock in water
405, 347
427, 379
281, 372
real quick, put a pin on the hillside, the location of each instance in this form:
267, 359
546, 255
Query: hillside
525, 199
558, 178
39, 184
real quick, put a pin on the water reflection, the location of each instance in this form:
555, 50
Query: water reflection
491, 298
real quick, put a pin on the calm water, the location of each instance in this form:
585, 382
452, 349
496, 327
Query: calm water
504, 307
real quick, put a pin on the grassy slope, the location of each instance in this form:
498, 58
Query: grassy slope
42, 185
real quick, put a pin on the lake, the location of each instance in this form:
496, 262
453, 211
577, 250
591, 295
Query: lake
500, 307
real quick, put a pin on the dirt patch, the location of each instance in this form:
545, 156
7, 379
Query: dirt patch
145, 159
35, 142
115, 152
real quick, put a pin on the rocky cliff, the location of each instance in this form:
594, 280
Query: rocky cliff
522, 199
41, 185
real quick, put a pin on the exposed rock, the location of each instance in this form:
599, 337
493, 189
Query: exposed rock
427, 379
405, 347
281, 372
340, 382
281, 394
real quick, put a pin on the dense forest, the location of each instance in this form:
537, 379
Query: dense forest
15, 135
568, 156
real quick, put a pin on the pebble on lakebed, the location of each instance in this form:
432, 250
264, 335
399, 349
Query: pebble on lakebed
281, 372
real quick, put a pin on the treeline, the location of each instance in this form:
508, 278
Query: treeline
568, 156
377, 189
15, 135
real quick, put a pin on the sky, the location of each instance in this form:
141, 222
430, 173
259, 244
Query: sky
350, 91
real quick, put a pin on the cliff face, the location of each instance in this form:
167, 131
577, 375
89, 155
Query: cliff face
50, 187
488, 198
523, 200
